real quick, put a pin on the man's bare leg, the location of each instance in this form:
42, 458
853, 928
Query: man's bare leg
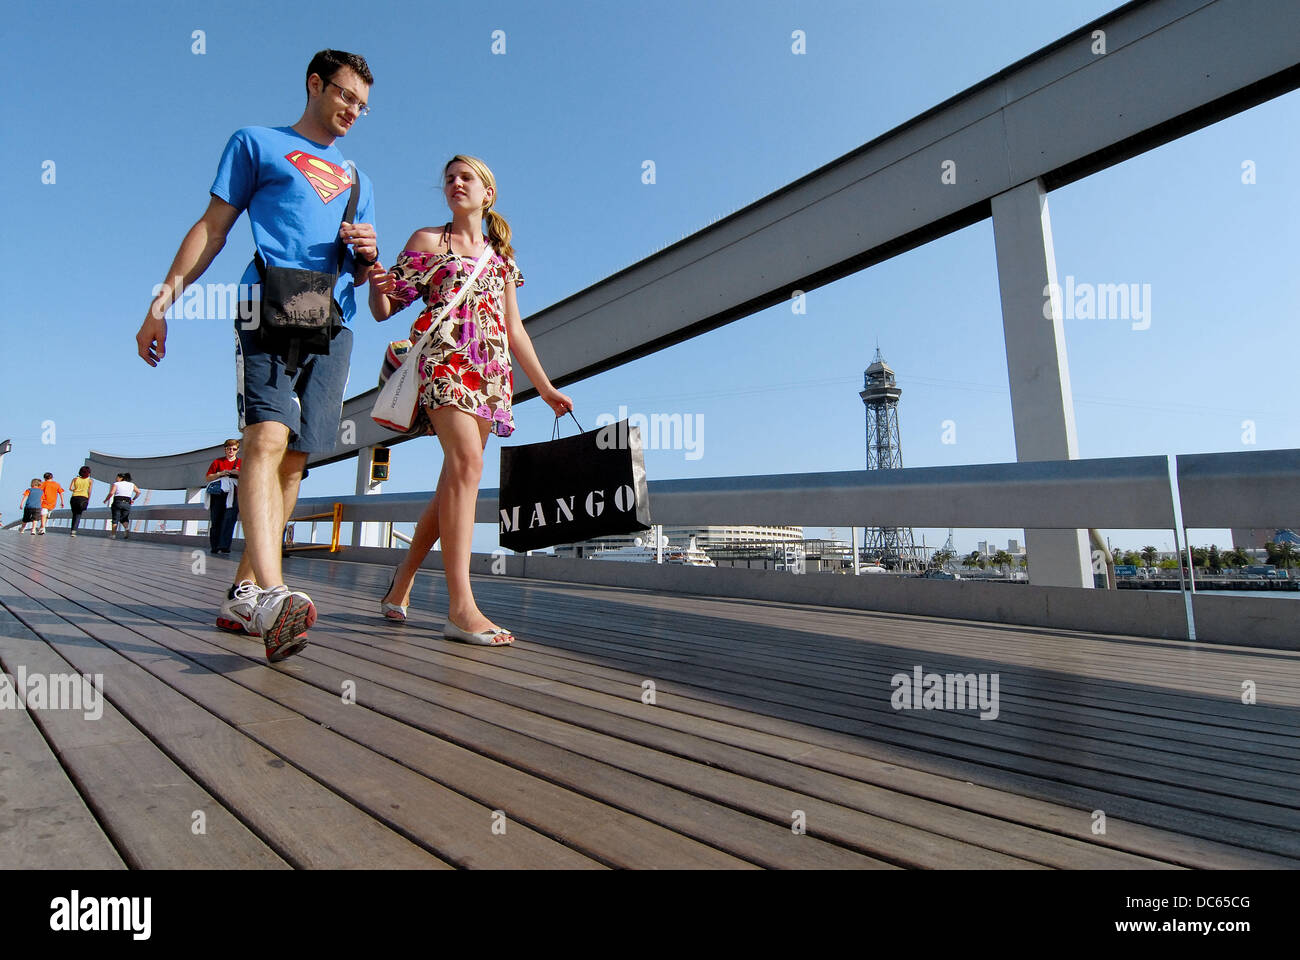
289, 477
262, 501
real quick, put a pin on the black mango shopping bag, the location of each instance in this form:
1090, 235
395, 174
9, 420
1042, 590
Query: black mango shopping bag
573, 488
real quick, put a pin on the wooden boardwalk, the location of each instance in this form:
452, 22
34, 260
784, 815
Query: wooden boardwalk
544, 754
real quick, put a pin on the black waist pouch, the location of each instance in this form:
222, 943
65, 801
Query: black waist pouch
299, 315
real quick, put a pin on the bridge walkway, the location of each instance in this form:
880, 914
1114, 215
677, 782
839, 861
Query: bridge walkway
771, 740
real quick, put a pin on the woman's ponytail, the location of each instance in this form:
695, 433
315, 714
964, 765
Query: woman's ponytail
498, 232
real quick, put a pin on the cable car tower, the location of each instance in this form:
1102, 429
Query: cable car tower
894, 546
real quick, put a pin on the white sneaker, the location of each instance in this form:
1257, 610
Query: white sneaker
236, 613
282, 619
73, 534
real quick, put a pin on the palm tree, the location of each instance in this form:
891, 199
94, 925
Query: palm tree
1002, 560
1149, 554
1286, 554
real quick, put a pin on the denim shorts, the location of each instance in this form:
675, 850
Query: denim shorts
310, 403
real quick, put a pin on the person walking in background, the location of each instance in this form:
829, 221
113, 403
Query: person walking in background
223, 505
466, 382
123, 493
31, 504
80, 490
295, 184
52, 496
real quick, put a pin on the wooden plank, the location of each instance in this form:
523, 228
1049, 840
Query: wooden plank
837, 632
958, 728
769, 844
614, 720
1118, 751
1253, 714
464, 658
44, 824
754, 646
1041, 696
411, 804
303, 822
146, 804
1214, 826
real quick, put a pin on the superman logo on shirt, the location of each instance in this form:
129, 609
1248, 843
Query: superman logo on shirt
328, 179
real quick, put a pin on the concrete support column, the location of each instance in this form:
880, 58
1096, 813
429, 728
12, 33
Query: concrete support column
370, 533
190, 528
1042, 406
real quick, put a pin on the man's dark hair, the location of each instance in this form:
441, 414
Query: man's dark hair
326, 63
48, 475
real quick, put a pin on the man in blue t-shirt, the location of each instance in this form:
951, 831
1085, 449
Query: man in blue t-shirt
294, 183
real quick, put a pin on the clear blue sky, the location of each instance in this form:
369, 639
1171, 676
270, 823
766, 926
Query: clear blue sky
711, 92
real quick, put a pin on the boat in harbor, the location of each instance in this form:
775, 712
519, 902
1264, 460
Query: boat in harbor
644, 551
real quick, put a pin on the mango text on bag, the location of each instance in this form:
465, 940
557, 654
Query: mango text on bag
594, 505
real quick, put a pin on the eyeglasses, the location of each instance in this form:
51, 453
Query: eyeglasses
350, 98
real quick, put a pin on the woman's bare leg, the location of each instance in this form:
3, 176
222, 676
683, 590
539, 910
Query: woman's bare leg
425, 536
463, 437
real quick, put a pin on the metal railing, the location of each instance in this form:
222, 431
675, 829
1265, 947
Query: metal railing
1256, 489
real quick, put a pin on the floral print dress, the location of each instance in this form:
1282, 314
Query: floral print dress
466, 363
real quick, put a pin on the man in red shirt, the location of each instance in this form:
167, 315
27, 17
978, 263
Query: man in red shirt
223, 507
52, 496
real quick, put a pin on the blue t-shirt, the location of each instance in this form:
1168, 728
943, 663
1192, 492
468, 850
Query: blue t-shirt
34, 495
295, 192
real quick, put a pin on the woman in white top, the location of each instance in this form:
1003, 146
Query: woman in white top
123, 493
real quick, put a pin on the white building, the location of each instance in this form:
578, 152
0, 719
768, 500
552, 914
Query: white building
706, 538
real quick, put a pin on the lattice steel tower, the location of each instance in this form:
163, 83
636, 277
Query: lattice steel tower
880, 393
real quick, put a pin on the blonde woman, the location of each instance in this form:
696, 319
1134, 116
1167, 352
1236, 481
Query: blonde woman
466, 383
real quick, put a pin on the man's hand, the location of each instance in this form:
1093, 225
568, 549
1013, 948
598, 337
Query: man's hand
365, 245
151, 341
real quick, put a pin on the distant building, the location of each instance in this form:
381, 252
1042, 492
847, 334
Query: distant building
1013, 547
1254, 538
982, 548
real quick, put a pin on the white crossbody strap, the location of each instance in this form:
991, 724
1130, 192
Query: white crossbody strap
454, 301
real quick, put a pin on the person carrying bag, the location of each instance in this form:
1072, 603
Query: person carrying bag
457, 380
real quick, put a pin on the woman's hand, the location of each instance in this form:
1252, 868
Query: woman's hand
383, 286
382, 280
556, 401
